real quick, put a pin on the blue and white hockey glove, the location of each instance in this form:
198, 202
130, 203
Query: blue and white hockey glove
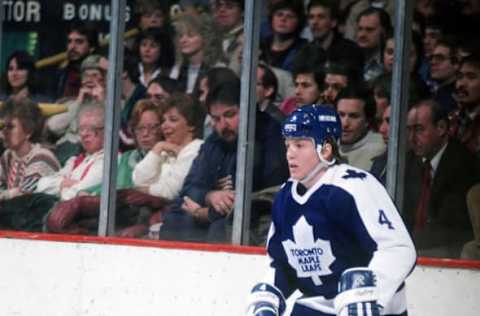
357, 293
266, 300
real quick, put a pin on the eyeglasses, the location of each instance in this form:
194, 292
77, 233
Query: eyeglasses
93, 130
146, 128
6, 127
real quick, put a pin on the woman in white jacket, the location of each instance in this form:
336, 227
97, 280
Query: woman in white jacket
163, 170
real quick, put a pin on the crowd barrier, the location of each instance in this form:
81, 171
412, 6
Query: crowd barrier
44, 274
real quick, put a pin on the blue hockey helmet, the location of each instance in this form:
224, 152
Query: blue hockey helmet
316, 121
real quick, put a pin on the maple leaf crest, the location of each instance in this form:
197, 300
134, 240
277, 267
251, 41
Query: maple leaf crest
310, 258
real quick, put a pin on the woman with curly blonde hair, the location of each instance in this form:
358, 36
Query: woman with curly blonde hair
198, 49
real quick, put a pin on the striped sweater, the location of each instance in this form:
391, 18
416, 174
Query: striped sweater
19, 175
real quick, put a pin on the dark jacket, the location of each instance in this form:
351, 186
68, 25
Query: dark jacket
447, 219
216, 160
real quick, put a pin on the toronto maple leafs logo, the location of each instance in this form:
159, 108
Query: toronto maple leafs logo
352, 174
310, 258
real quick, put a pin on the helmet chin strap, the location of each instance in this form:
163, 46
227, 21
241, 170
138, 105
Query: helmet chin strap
323, 164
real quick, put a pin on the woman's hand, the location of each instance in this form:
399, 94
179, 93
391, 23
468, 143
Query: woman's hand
166, 147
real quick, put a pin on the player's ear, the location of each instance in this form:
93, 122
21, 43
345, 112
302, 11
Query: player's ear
327, 151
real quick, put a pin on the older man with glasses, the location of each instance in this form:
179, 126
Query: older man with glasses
84, 170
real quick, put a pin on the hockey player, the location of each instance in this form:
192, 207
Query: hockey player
336, 236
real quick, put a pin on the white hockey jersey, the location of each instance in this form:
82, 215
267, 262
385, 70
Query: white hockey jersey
345, 220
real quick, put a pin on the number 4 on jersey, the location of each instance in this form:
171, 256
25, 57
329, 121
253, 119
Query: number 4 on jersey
383, 219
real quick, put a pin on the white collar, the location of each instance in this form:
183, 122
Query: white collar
324, 179
436, 159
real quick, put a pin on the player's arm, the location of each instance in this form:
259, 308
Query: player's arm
369, 213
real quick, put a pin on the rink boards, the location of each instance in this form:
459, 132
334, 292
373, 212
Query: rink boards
45, 274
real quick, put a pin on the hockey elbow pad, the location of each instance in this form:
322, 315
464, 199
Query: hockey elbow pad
357, 293
266, 300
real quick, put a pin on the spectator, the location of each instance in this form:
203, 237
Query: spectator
287, 19
414, 58
308, 77
132, 92
198, 49
207, 82
266, 90
467, 46
358, 143
444, 67
382, 91
164, 168
64, 126
356, 9
440, 221
210, 80
323, 18
150, 175
84, 170
432, 34
412, 163
19, 80
207, 196
467, 123
80, 213
373, 25
82, 40
23, 163
161, 88
228, 15
156, 52
152, 13
337, 77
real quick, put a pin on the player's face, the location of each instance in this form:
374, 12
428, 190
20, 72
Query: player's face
301, 156
225, 119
